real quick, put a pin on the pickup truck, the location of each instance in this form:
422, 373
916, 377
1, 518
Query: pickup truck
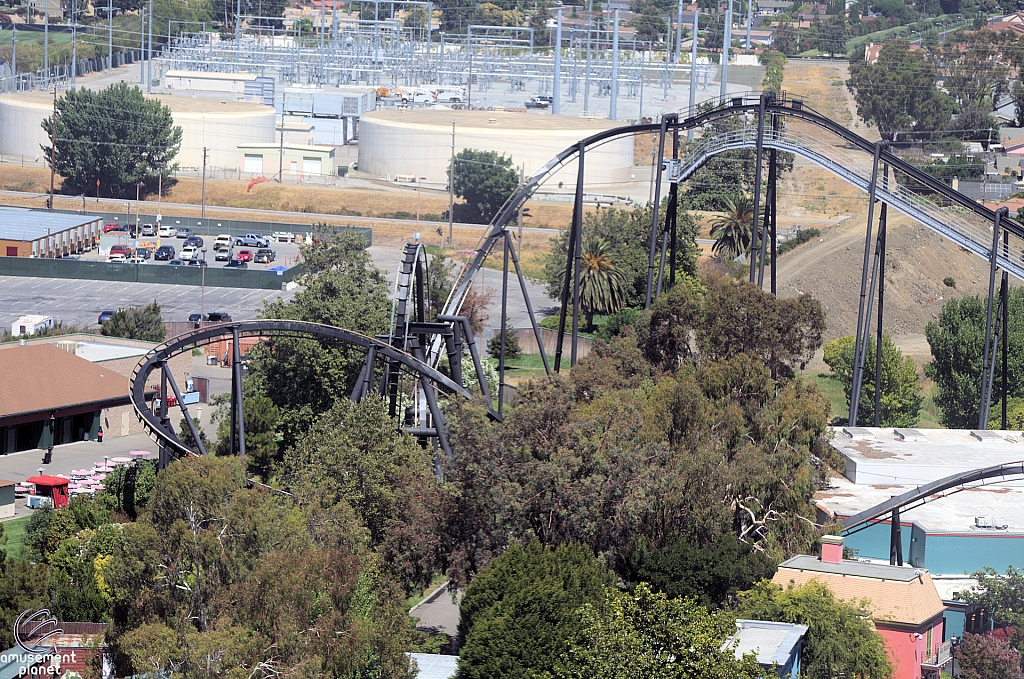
253, 240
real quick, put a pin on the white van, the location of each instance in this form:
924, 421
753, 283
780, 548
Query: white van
416, 95
168, 232
452, 95
223, 242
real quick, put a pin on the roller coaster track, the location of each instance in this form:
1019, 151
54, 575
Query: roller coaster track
839, 150
1003, 473
157, 424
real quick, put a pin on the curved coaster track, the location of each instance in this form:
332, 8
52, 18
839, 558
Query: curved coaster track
402, 367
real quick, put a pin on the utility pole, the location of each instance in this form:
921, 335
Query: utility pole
726, 44
74, 43
451, 189
679, 32
203, 214
280, 155
586, 74
142, 46
693, 72
749, 19
238, 22
53, 141
149, 58
110, 36
614, 93
556, 84
14, 54
46, 42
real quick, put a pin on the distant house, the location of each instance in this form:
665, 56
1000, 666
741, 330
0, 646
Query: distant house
772, 7
905, 606
777, 645
1011, 22
872, 51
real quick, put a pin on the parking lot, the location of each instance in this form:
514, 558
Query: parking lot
79, 302
284, 253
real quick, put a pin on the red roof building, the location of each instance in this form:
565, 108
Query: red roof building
53, 487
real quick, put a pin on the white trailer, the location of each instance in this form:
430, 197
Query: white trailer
30, 325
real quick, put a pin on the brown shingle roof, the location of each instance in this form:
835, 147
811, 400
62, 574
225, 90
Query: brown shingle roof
42, 377
911, 601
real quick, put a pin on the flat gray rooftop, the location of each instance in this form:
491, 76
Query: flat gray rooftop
861, 569
27, 225
914, 457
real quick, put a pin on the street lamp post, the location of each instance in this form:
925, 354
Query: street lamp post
202, 288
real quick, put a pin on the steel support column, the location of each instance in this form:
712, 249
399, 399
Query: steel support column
657, 201
184, 408
881, 307
236, 379
577, 218
773, 203
504, 325
857, 361
1004, 292
986, 378
529, 306
759, 151
896, 539
769, 216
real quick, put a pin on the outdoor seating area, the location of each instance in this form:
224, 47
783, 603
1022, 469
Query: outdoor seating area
39, 490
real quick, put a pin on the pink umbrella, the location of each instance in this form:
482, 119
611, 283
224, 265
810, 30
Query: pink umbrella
139, 453
121, 460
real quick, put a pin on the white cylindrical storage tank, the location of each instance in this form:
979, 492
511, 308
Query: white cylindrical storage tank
219, 125
419, 143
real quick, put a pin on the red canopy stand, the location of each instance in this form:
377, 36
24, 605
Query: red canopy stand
54, 487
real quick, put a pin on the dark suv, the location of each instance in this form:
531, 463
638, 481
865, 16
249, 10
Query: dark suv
164, 252
218, 317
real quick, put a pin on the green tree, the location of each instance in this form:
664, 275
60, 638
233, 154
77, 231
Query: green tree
1017, 94
484, 180
684, 568
987, 657
261, 417
602, 285
831, 36
140, 323
644, 635
841, 638
650, 25
1002, 597
302, 377
901, 399
518, 614
957, 345
898, 92
23, 586
627, 233
415, 18
512, 348
731, 231
115, 137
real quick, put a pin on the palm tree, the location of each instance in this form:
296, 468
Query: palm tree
731, 231
602, 286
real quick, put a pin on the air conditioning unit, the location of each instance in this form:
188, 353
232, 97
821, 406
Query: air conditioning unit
983, 522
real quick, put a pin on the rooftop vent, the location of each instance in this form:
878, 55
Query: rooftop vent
858, 433
832, 548
990, 523
910, 435
986, 436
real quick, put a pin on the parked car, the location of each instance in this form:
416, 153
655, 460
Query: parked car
236, 264
122, 250
107, 228
117, 259
164, 253
143, 252
136, 260
168, 232
148, 230
253, 240
183, 232
105, 315
245, 255
176, 262
264, 256
194, 240
536, 102
218, 317
195, 318
188, 252
223, 242
196, 261
224, 255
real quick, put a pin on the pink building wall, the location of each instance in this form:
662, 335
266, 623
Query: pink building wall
907, 649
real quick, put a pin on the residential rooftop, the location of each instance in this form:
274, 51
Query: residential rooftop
772, 642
